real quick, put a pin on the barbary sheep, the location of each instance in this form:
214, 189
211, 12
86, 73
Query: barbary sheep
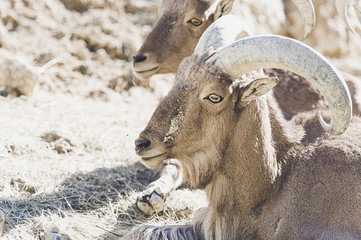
294, 95
182, 23
265, 177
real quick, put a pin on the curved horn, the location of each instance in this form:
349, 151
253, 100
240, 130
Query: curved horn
353, 16
221, 33
253, 53
307, 12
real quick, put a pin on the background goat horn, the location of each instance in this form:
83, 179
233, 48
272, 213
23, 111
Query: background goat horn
308, 14
352, 14
253, 53
221, 33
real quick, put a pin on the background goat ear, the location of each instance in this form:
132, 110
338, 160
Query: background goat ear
258, 87
223, 8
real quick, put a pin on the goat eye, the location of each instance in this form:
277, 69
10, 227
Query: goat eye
214, 98
195, 22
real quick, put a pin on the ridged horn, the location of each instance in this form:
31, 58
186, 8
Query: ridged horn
308, 14
352, 14
257, 52
221, 33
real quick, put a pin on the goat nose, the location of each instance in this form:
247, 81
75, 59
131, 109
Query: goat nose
139, 58
141, 144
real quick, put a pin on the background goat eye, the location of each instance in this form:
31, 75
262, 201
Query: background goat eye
214, 98
195, 22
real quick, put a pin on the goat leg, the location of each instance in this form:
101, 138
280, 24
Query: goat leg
153, 197
166, 233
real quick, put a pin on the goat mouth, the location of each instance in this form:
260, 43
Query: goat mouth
147, 70
145, 74
154, 157
153, 162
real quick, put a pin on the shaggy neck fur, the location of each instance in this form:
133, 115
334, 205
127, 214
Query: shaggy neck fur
253, 176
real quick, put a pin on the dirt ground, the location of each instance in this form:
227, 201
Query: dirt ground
67, 146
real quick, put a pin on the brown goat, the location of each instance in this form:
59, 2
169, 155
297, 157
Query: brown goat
294, 94
182, 23
265, 177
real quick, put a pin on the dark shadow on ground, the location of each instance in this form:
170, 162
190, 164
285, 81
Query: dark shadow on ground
82, 192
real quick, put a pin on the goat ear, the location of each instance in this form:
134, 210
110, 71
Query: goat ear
258, 87
223, 8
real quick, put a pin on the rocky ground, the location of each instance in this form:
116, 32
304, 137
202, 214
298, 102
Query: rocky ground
67, 144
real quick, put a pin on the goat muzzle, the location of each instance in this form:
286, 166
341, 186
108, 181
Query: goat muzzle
142, 144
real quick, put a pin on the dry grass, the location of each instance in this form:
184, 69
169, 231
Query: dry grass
67, 151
